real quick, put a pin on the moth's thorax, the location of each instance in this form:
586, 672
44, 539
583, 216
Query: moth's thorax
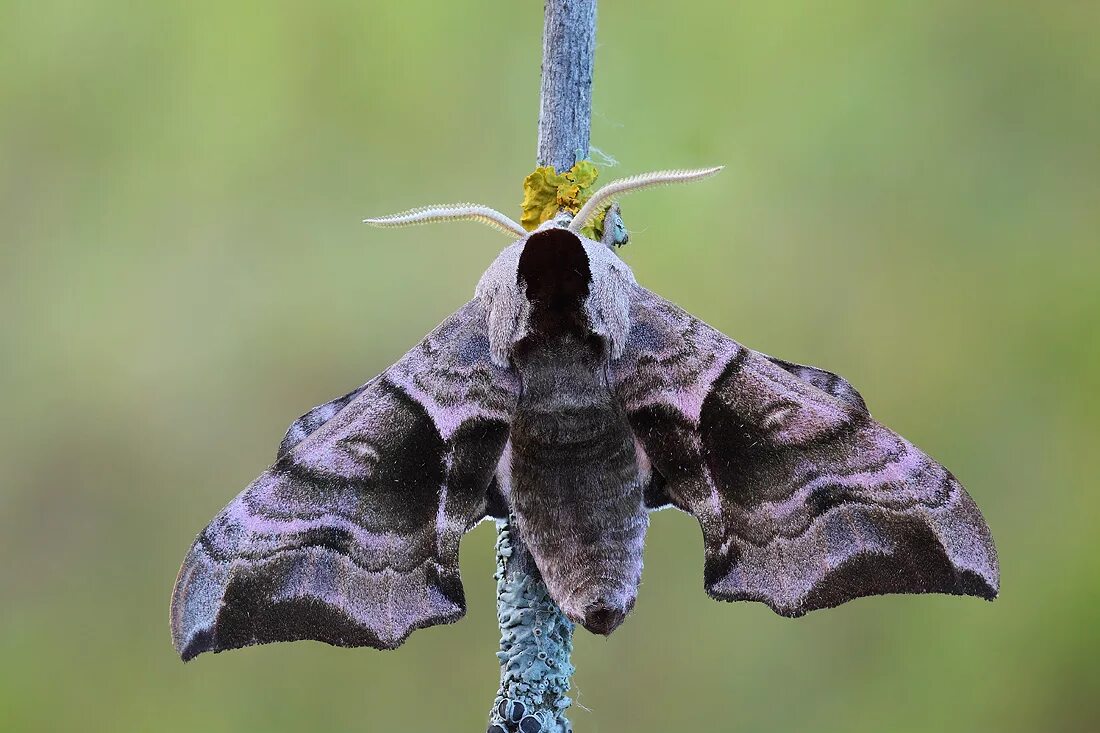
558, 364
554, 282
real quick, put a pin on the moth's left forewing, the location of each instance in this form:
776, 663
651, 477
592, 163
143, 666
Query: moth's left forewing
804, 500
352, 536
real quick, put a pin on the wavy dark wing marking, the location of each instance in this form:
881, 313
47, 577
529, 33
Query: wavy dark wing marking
352, 537
804, 500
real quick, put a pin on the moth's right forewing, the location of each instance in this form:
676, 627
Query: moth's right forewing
804, 500
352, 536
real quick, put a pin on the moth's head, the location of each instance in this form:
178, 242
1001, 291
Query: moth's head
555, 265
556, 274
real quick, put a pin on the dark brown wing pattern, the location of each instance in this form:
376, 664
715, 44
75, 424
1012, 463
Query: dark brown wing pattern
352, 537
805, 501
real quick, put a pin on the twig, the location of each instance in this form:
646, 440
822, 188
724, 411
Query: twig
568, 48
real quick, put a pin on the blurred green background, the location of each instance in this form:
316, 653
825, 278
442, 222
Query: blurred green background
911, 200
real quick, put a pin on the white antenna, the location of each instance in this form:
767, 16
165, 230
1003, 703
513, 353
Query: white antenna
450, 212
634, 183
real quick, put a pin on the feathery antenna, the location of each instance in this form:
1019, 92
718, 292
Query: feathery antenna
623, 186
450, 212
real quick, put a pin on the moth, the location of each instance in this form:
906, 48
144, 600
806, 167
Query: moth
575, 400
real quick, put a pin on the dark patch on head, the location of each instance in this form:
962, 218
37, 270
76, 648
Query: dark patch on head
554, 269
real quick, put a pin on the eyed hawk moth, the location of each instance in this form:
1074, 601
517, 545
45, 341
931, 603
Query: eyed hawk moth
574, 399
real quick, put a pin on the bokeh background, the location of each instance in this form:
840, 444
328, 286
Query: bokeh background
912, 199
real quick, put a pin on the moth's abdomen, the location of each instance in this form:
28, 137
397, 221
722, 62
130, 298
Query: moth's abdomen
575, 488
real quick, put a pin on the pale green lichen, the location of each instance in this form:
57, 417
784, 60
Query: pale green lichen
535, 644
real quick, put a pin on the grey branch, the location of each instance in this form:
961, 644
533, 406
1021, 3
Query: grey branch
568, 50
